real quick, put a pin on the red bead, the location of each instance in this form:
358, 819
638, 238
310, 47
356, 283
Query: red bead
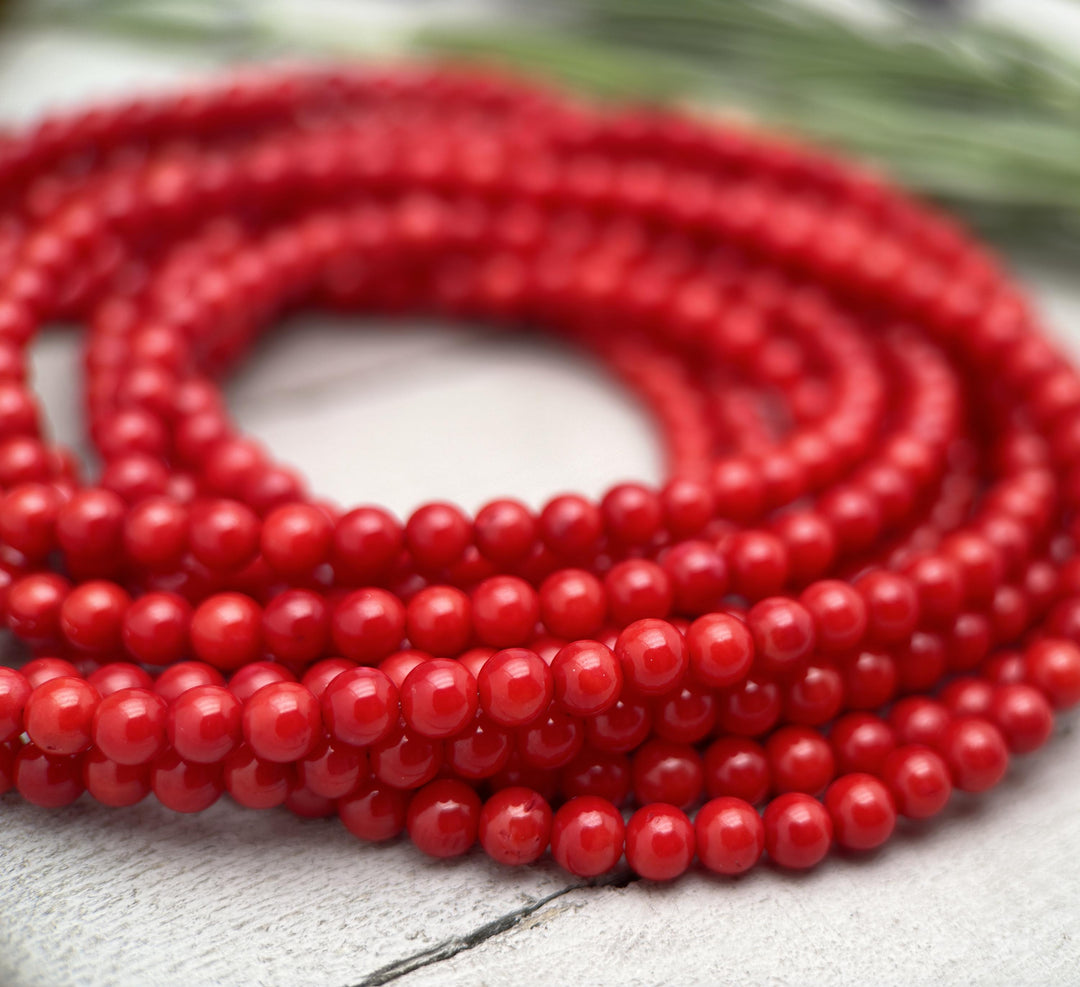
366, 543
892, 606
736, 767
800, 760
587, 836
730, 836
185, 787
177, 679
505, 531
59, 715
839, 614
666, 772
632, 514
155, 628
296, 626
226, 630
1053, 667
636, 589
758, 563
572, 603
438, 620
976, 754
919, 781
246, 681
479, 751
438, 698
281, 722
156, 533
798, 831
515, 687
721, 650
373, 812
437, 535
330, 771
92, 616
552, 742
698, 575
750, 708
38, 671
118, 675
47, 780
814, 696
367, 625
28, 518
659, 842
360, 706
919, 721
938, 586
1023, 716
653, 656
686, 716
600, 773
443, 818
14, 691
224, 534
783, 633
129, 726
318, 677
204, 724
571, 527
515, 826
112, 783
862, 811
33, 607
870, 679
587, 678
505, 610
256, 784
296, 539
861, 743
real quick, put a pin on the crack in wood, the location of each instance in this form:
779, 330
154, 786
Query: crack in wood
489, 930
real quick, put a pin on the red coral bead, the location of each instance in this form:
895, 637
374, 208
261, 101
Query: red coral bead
443, 818
438, 620
368, 625
572, 603
373, 812
226, 630
515, 687
515, 826
1053, 667
737, 767
587, 836
47, 780
976, 754
203, 724
129, 726
505, 610
360, 706
59, 715
438, 698
587, 678
281, 722
659, 842
653, 656
14, 691
721, 649
1023, 715
919, 781
663, 771
784, 635
862, 811
730, 835
798, 831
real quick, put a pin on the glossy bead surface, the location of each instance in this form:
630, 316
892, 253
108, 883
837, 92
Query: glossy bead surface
659, 842
798, 831
729, 835
862, 811
653, 656
59, 715
438, 698
515, 687
281, 722
443, 818
587, 836
514, 826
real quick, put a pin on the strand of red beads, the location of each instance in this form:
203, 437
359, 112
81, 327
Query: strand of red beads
857, 591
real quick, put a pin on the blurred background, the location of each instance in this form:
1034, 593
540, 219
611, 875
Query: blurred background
972, 103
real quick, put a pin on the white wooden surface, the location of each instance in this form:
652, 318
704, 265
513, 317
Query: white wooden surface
93, 896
